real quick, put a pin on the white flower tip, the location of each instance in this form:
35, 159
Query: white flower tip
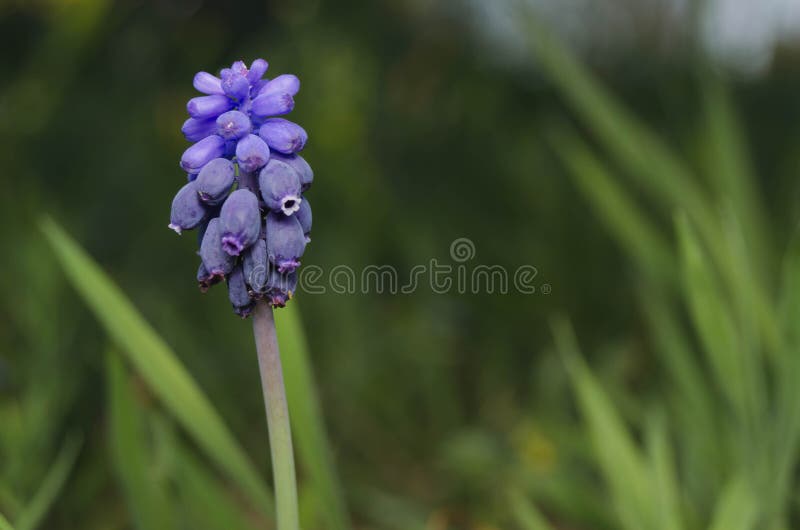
290, 204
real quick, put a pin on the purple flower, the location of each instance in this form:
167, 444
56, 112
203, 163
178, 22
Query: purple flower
202, 153
285, 241
300, 165
257, 71
283, 84
214, 181
252, 153
279, 287
187, 210
207, 83
194, 129
205, 107
235, 84
280, 187
272, 105
233, 125
238, 293
283, 135
255, 264
216, 261
240, 221
205, 279
241, 153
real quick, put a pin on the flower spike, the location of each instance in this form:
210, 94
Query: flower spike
246, 184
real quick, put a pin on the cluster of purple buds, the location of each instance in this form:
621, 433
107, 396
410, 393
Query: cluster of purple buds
246, 184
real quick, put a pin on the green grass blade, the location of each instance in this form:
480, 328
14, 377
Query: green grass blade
620, 461
526, 514
646, 157
634, 145
737, 509
307, 420
158, 365
665, 481
787, 416
748, 314
698, 426
35, 511
730, 168
4, 524
675, 354
147, 500
711, 314
616, 208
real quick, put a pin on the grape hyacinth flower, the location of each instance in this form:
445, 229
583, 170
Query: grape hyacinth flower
245, 195
243, 164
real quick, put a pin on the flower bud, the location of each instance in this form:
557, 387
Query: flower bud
283, 84
194, 129
215, 180
187, 210
280, 187
304, 217
238, 294
252, 153
300, 165
257, 70
272, 105
280, 287
205, 107
255, 266
285, 241
216, 261
236, 85
205, 279
233, 125
207, 83
239, 68
201, 153
283, 135
240, 221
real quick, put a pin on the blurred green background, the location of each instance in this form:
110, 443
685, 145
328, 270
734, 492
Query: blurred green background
642, 155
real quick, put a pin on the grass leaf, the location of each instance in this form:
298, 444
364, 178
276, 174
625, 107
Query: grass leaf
620, 460
716, 327
637, 148
730, 168
157, 364
700, 429
146, 498
665, 480
787, 416
737, 509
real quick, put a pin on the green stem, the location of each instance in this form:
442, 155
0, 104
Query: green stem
280, 433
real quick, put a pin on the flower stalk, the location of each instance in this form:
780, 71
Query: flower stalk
280, 433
